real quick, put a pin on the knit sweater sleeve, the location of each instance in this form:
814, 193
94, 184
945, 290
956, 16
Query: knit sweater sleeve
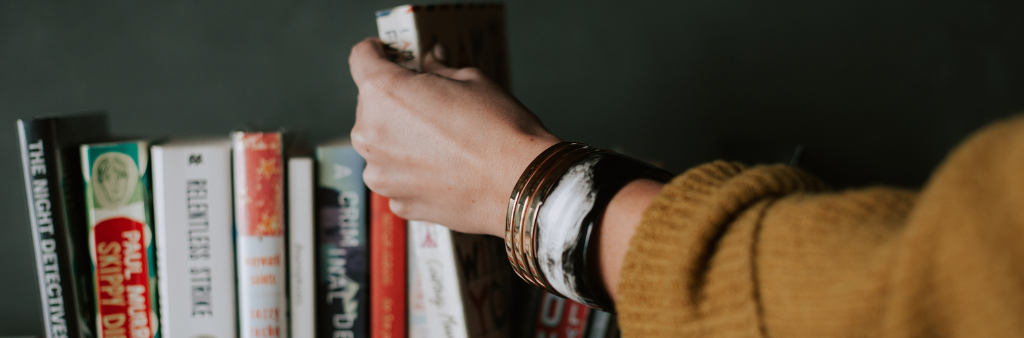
726, 250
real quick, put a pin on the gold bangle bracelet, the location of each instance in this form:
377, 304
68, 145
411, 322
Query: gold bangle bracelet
539, 178
513, 229
567, 188
522, 241
531, 206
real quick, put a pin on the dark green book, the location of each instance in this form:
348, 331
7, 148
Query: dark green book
343, 308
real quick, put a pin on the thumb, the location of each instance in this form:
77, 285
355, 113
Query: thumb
436, 62
369, 59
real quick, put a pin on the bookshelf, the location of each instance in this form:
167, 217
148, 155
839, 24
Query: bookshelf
822, 80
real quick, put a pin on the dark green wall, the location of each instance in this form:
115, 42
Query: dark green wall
876, 91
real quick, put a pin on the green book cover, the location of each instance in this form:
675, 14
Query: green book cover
117, 197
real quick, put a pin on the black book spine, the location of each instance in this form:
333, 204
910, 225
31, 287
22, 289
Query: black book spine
53, 244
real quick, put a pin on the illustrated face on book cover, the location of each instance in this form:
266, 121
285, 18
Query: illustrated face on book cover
115, 179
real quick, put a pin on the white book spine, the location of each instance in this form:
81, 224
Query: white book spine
417, 317
192, 200
435, 262
473, 34
300, 247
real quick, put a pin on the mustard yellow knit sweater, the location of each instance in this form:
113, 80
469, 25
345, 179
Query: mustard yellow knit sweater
768, 251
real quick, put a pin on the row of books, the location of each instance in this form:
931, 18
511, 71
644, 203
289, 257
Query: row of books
189, 238
252, 236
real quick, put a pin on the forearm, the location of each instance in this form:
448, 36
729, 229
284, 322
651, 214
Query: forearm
620, 221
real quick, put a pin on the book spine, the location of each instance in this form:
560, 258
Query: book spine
485, 284
466, 277
62, 315
302, 280
560, 317
387, 257
435, 262
121, 238
396, 28
192, 204
417, 317
473, 35
614, 330
529, 310
343, 285
259, 231
602, 325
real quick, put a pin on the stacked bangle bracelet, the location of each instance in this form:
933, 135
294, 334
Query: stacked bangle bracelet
554, 214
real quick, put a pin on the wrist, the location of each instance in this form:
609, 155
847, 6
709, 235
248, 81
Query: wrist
514, 160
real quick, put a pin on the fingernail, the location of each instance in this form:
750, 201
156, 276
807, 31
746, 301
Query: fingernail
439, 53
391, 52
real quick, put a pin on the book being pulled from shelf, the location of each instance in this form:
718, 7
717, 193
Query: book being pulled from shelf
117, 198
259, 230
472, 34
460, 285
195, 251
51, 161
342, 208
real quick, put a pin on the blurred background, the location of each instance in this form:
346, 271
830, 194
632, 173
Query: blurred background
873, 92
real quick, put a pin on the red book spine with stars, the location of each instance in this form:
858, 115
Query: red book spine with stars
387, 272
259, 231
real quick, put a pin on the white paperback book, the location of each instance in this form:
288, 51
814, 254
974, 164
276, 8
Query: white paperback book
302, 282
473, 36
192, 203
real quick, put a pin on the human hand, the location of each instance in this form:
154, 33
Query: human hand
446, 145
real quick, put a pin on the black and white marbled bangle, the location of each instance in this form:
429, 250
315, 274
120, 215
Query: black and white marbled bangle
557, 207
